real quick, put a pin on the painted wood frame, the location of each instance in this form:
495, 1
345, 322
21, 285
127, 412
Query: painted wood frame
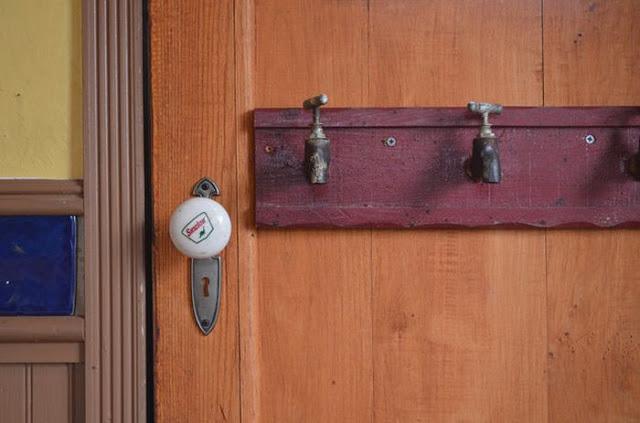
104, 346
114, 211
40, 197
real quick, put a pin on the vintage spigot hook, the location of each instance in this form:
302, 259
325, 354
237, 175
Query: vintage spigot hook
485, 159
317, 153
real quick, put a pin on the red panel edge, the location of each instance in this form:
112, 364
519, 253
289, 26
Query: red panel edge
450, 117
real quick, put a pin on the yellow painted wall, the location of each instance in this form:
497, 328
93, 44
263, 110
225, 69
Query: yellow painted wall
41, 88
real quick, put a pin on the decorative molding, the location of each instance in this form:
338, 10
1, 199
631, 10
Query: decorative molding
40, 197
47, 352
41, 329
115, 355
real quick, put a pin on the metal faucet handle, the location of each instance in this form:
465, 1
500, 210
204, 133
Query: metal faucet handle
317, 101
484, 108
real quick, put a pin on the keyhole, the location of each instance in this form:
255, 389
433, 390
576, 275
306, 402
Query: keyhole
205, 286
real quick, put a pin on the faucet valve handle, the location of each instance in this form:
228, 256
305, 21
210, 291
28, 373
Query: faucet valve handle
484, 109
317, 101
314, 103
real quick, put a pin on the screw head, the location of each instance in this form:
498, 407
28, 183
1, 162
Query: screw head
390, 142
590, 139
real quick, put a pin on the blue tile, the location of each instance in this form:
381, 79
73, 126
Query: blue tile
37, 265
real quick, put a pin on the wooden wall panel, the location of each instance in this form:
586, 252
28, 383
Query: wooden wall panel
446, 53
315, 327
459, 326
39, 393
14, 395
591, 58
591, 53
305, 47
594, 326
194, 123
459, 316
314, 286
366, 325
51, 393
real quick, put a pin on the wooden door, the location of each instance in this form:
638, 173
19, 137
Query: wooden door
388, 325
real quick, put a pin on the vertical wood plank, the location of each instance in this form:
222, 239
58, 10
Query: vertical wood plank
315, 327
459, 330
594, 326
77, 381
591, 58
459, 326
446, 53
249, 328
305, 47
13, 392
51, 393
313, 286
194, 135
591, 55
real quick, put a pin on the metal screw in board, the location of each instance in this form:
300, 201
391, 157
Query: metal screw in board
390, 142
590, 139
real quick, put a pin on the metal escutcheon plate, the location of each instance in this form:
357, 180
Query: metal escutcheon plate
205, 291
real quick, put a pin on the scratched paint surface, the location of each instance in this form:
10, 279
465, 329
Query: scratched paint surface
37, 265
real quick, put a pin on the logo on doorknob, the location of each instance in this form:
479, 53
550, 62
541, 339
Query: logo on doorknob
198, 229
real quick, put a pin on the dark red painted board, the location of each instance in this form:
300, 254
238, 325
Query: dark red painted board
551, 176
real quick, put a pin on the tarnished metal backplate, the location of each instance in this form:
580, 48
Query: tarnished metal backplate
205, 291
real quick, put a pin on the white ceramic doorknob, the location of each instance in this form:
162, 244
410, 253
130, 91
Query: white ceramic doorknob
200, 227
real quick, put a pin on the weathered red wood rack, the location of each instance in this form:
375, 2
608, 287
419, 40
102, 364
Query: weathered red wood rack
554, 174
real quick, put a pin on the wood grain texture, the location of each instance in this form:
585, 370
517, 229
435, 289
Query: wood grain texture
390, 325
304, 47
459, 336
459, 330
594, 326
591, 54
194, 135
590, 57
249, 329
437, 54
313, 287
315, 328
